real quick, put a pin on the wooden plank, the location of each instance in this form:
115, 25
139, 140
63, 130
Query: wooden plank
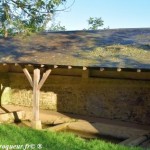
125, 142
26, 72
136, 140
36, 94
45, 76
102, 69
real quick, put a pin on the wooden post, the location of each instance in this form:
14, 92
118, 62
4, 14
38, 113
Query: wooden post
36, 123
36, 84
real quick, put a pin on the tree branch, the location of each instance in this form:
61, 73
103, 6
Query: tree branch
23, 8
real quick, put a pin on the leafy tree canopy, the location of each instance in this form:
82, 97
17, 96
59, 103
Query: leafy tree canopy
57, 27
26, 15
95, 23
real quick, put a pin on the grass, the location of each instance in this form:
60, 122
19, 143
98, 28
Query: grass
13, 135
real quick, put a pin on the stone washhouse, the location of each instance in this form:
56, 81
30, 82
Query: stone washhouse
103, 73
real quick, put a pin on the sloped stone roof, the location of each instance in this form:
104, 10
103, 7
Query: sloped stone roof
123, 48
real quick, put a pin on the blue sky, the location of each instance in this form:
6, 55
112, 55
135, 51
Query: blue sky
115, 13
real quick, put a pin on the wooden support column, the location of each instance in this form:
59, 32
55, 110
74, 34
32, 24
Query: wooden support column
36, 84
36, 123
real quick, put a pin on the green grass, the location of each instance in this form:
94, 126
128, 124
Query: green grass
13, 135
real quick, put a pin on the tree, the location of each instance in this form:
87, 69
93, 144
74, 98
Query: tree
26, 15
57, 27
95, 23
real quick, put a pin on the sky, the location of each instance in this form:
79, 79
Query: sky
114, 13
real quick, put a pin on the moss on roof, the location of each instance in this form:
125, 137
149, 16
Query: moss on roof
125, 48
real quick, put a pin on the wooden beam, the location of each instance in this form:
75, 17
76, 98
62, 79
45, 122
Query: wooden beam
138, 70
45, 76
16, 64
29, 65
26, 72
69, 67
119, 69
4, 64
36, 95
102, 69
84, 68
42, 65
135, 141
55, 66
36, 123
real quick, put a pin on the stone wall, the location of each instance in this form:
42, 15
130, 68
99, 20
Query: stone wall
5, 90
121, 99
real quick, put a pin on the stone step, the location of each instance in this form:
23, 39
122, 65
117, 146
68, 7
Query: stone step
59, 127
12, 117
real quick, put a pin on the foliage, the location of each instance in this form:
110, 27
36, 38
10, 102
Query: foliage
13, 135
95, 23
26, 15
57, 27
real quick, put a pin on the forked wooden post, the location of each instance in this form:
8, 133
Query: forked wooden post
36, 84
